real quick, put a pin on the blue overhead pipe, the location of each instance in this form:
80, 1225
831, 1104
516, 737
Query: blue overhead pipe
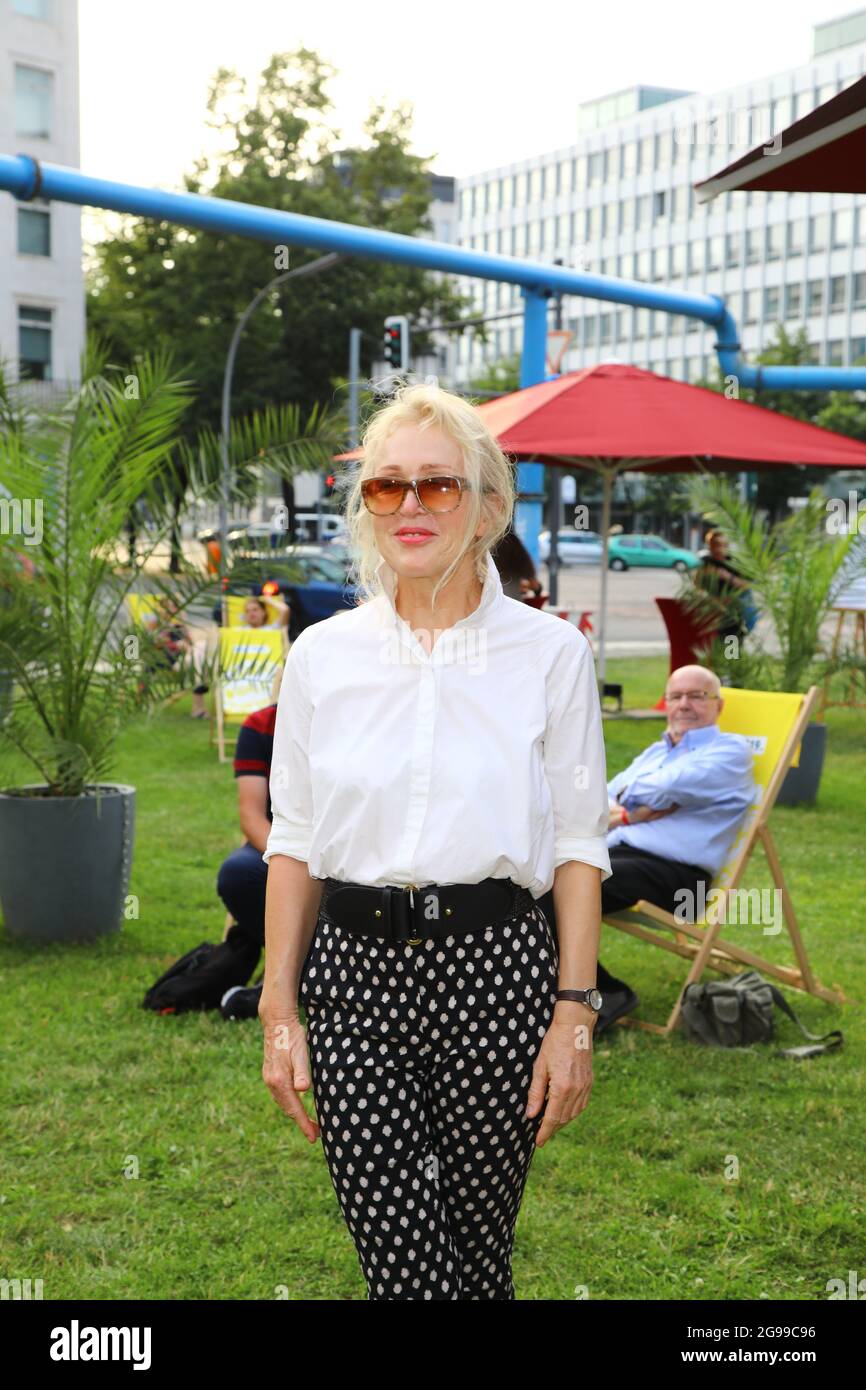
28, 178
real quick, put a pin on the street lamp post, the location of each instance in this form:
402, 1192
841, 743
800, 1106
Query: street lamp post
312, 268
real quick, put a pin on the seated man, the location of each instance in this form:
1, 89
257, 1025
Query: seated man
243, 875
674, 813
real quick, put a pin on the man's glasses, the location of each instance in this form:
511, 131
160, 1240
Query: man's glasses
442, 493
697, 697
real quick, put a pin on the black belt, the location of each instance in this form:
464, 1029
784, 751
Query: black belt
417, 913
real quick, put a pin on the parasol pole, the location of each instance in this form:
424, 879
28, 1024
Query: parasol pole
607, 476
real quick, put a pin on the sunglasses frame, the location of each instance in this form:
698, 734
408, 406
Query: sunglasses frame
407, 483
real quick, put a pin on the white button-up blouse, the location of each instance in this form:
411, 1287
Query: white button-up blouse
484, 758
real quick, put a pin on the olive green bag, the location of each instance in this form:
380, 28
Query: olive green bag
738, 1011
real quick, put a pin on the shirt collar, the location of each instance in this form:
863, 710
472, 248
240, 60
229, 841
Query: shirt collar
491, 593
692, 737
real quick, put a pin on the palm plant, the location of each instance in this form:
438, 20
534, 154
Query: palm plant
795, 570
79, 668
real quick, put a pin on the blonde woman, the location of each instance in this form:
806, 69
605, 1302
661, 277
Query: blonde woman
438, 765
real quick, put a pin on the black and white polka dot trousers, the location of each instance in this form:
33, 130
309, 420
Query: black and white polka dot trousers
421, 1062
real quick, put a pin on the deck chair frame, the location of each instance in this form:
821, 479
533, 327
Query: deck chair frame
703, 945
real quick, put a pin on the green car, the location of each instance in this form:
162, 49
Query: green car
624, 552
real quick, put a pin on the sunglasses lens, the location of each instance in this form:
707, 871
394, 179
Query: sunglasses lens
439, 494
382, 495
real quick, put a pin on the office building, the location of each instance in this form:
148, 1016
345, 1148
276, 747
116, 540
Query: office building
620, 202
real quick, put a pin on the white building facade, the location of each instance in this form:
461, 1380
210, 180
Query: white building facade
41, 277
620, 202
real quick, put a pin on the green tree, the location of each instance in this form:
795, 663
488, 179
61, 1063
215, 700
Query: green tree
776, 485
157, 284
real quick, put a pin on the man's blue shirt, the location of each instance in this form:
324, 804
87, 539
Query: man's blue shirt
708, 775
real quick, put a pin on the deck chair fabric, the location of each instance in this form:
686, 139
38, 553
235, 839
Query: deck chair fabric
248, 660
774, 725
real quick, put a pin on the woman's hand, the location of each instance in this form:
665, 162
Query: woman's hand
286, 1067
562, 1070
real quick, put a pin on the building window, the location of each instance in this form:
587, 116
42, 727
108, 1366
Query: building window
659, 205
837, 293
753, 247
626, 215
566, 175
714, 253
642, 266
593, 169
678, 204
859, 295
626, 266
775, 241
34, 343
751, 306
645, 154
793, 301
33, 101
818, 231
661, 151
796, 238
593, 224
835, 353
606, 328
696, 257
608, 220
34, 230
843, 227
628, 163
660, 263
814, 298
565, 229
678, 261
858, 350
641, 211
535, 186
733, 250
772, 302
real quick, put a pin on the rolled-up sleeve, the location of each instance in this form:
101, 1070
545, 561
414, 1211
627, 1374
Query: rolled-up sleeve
574, 758
291, 794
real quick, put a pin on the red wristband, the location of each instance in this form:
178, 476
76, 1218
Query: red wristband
624, 815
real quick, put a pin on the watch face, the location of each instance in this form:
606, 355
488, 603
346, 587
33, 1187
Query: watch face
595, 999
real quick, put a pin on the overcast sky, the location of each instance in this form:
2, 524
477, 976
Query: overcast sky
486, 88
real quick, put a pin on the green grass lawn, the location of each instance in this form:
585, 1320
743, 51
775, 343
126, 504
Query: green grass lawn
229, 1201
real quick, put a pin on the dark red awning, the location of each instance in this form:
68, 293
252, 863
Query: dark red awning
824, 152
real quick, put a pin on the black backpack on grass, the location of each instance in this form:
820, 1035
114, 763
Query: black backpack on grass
200, 978
737, 1011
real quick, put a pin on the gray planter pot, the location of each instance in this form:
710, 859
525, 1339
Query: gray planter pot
65, 862
800, 785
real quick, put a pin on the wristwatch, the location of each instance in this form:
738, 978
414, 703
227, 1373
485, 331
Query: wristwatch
591, 997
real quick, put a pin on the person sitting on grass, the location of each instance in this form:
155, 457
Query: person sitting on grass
674, 814
243, 875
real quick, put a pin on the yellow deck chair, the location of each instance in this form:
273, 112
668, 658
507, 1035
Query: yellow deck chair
143, 608
248, 660
774, 725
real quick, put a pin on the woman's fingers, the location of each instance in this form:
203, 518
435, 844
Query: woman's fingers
286, 1073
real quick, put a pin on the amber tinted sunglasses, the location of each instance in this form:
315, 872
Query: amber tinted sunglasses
441, 493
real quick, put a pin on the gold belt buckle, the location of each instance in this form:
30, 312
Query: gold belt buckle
409, 888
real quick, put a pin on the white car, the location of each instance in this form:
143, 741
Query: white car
573, 547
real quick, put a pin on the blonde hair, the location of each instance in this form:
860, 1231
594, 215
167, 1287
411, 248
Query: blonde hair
485, 464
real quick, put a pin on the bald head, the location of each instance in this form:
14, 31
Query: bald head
693, 700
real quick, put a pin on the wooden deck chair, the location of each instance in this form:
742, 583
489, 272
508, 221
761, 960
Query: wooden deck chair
774, 725
233, 613
248, 659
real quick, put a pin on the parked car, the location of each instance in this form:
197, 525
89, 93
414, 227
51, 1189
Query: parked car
573, 547
313, 580
627, 552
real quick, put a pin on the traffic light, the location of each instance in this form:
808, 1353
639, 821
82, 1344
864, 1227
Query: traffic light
396, 342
